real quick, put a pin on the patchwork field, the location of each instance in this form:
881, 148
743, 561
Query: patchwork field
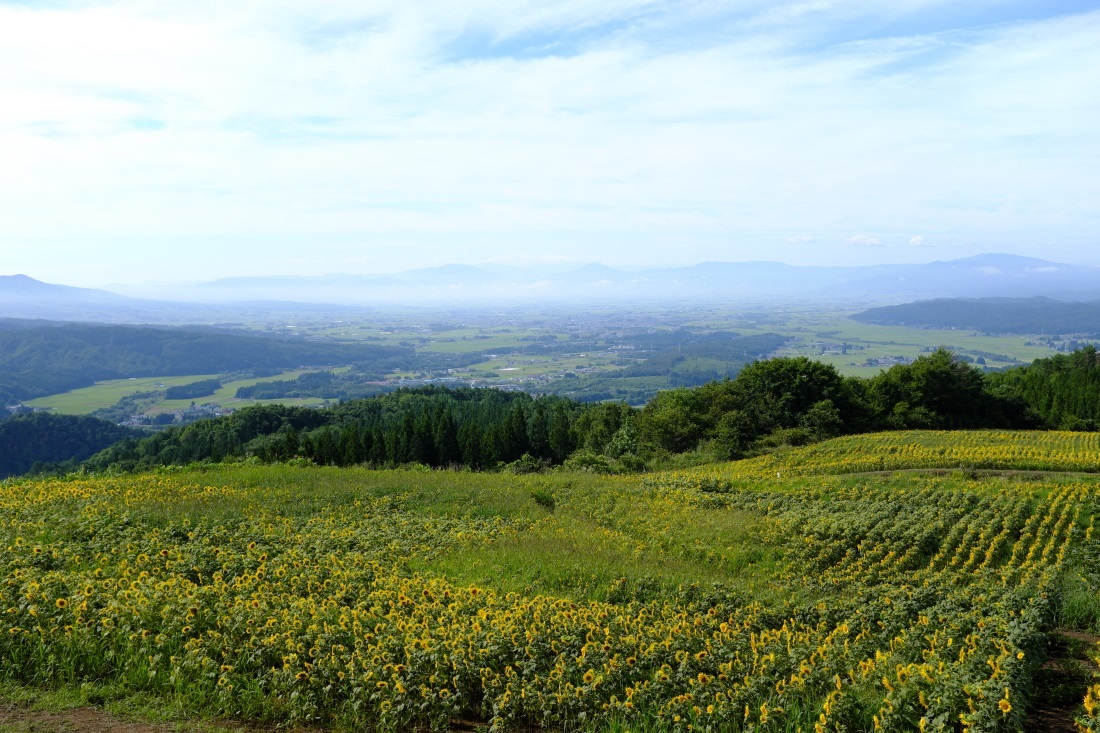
610, 353
877, 342
86, 400
829, 588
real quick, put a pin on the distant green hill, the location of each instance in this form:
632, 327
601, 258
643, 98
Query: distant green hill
46, 438
991, 315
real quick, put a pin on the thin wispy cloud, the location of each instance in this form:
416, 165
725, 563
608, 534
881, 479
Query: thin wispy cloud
139, 137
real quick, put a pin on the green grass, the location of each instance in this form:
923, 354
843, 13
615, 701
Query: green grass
572, 554
104, 394
310, 491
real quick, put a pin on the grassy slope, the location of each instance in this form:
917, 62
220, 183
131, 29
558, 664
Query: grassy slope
780, 548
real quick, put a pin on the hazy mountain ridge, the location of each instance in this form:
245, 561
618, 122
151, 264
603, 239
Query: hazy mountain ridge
985, 275
982, 275
24, 297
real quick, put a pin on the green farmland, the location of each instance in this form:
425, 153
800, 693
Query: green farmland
105, 394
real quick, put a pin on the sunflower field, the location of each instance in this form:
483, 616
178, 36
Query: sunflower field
785, 593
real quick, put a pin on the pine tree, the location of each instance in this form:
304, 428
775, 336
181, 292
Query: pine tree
561, 438
470, 439
445, 435
538, 432
379, 453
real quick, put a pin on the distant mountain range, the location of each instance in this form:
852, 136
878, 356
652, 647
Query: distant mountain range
24, 297
973, 277
980, 276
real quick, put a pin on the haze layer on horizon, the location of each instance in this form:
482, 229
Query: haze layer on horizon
142, 141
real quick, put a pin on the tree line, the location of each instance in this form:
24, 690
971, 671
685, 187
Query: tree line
774, 402
193, 390
1063, 390
795, 401
433, 426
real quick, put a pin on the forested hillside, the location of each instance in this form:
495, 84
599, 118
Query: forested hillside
1064, 390
59, 439
1037, 315
54, 357
432, 426
797, 401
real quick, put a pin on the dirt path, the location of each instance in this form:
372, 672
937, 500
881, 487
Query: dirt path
15, 719
1060, 684
23, 719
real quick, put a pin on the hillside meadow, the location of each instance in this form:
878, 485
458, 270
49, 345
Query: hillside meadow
898, 581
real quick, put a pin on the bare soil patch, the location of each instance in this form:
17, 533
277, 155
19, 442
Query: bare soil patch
15, 719
22, 719
1061, 683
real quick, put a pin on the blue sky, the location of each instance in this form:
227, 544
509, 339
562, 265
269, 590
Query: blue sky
149, 141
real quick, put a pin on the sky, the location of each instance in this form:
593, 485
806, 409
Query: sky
149, 141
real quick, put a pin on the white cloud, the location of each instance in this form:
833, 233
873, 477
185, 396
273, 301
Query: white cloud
864, 241
919, 241
606, 127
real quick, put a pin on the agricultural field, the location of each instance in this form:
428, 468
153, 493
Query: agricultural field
833, 338
101, 395
226, 395
603, 353
823, 333
87, 400
515, 367
963, 450
909, 581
